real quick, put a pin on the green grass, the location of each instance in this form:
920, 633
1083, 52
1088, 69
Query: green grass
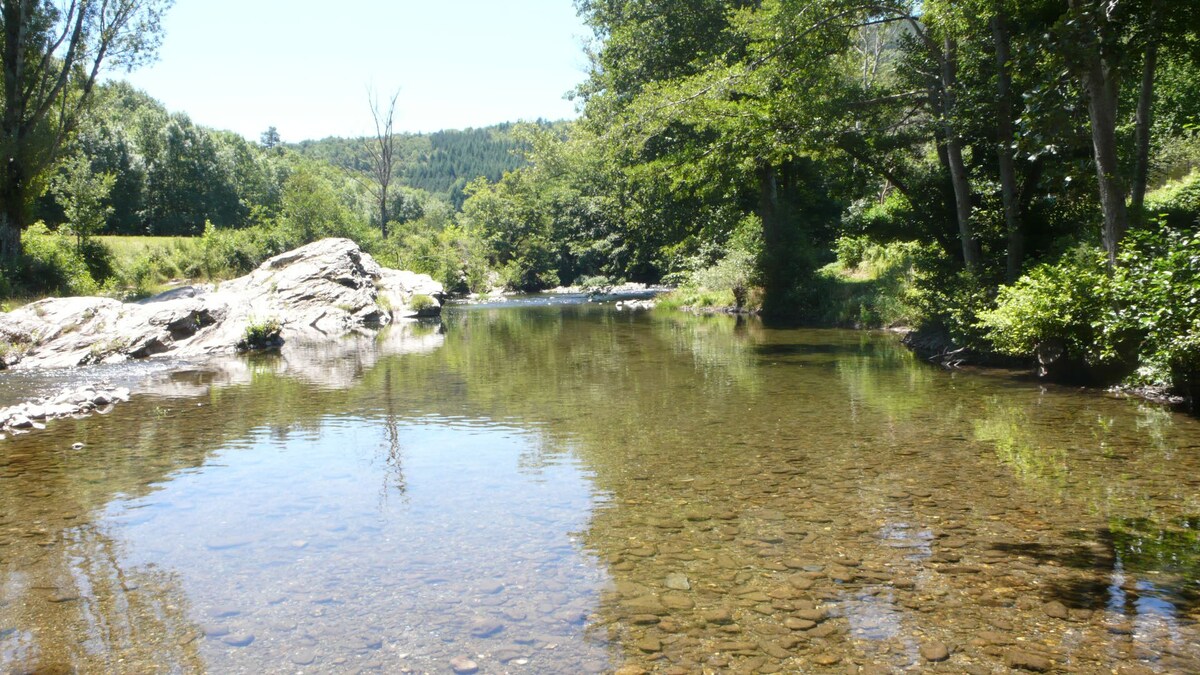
125, 249
695, 298
867, 288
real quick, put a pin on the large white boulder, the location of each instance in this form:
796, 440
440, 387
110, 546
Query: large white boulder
317, 292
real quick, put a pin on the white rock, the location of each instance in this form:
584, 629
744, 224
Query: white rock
321, 291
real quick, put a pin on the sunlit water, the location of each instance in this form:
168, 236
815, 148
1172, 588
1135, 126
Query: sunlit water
571, 488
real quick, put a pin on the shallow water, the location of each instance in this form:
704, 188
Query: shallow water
557, 488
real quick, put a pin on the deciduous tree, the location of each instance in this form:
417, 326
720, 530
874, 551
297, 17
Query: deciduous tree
51, 56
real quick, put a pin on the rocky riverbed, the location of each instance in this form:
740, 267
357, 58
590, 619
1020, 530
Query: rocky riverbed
73, 402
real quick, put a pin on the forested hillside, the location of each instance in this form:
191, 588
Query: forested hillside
441, 163
170, 176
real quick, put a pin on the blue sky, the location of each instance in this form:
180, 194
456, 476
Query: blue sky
305, 66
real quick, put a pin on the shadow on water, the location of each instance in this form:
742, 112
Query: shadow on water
1133, 567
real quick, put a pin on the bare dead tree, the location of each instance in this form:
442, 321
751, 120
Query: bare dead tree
383, 154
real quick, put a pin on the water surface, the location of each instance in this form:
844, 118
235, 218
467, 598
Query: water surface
572, 488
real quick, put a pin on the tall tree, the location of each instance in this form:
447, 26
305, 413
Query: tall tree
269, 139
50, 59
383, 155
1004, 144
1097, 64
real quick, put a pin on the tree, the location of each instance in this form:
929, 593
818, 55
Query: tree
52, 55
269, 139
383, 156
84, 195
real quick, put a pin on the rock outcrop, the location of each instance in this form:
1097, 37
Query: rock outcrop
317, 292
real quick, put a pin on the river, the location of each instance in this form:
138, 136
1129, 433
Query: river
551, 487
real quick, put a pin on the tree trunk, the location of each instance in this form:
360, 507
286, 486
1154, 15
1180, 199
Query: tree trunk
954, 158
10, 238
945, 232
383, 210
1101, 88
12, 209
1141, 162
782, 264
769, 214
1102, 110
1004, 141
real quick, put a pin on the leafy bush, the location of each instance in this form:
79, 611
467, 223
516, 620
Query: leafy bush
53, 264
594, 283
730, 279
694, 297
869, 286
1064, 301
421, 303
851, 250
1146, 313
1177, 157
260, 334
1159, 301
1177, 203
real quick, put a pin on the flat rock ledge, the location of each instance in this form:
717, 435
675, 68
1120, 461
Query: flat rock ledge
76, 402
321, 291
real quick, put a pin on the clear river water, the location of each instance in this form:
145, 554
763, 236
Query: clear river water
547, 487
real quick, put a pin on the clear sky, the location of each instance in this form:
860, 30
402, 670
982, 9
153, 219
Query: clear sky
304, 66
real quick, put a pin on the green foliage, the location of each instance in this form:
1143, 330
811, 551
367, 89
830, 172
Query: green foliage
421, 303
54, 264
726, 273
84, 196
1064, 301
851, 251
595, 283
734, 273
950, 300
441, 163
1177, 157
515, 219
52, 58
869, 285
693, 298
1146, 313
1177, 203
1158, 299
311, 207
260, 334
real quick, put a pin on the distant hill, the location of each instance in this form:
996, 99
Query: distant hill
441, 163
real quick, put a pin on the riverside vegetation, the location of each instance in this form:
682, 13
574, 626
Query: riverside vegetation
1014, 178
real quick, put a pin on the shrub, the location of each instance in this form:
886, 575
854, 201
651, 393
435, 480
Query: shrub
53, 264
869, 286
1146, 313
421, 303
1159, 301
850, 251
1177, 203
695, 297
261, 334
593, 284
1064, 301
